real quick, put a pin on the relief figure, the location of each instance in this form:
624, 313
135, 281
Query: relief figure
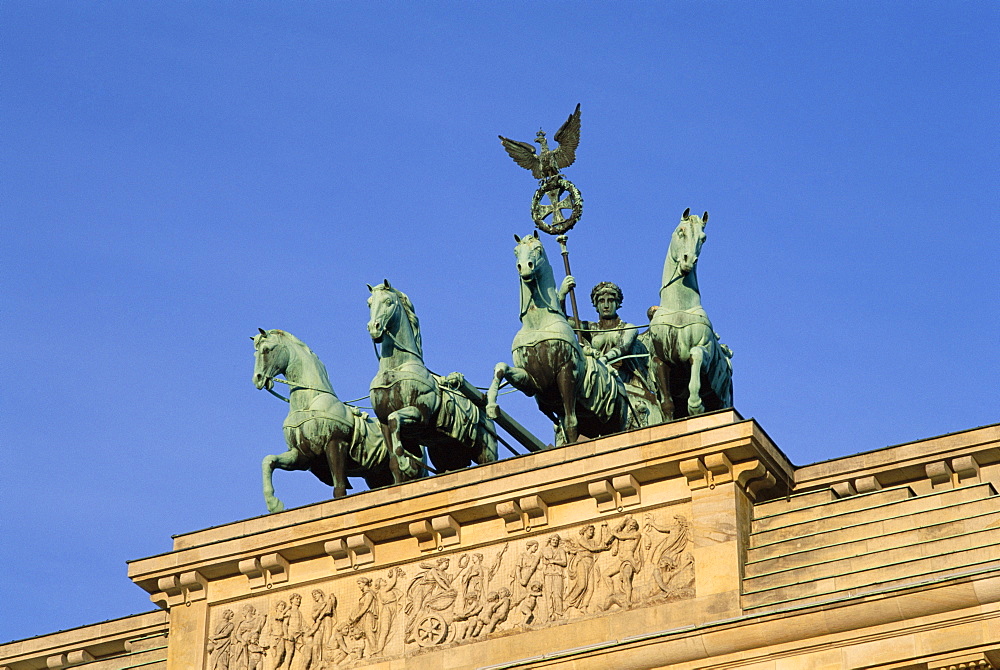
276, 649
324, 616
496, 611
584, 551
248, 627
525, 613
527, 565
672, 565
220, 641
295, 635
364, 617
389, 600
554, 561
626, 546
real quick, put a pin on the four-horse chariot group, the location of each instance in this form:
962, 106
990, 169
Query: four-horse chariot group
590, 378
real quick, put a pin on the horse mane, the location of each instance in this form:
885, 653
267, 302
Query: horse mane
284, 334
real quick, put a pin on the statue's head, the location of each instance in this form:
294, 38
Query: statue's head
532, 547
295, 599
588, 531
685, 243
317, 595
607, 298
554, 541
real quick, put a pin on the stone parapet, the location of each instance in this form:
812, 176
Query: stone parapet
946, 461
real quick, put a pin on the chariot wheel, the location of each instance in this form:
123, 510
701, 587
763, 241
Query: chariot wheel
564, 208
431, 630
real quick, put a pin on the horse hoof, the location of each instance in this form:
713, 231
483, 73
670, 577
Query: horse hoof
493, 411
696, 409
339, 492
276, 506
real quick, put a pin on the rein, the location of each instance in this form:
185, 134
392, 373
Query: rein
295, 386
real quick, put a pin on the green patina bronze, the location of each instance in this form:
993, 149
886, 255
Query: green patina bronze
580, 394
692, 368
415, 407
565, 206
325, 436
621, 345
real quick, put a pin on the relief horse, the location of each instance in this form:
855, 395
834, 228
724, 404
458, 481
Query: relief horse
687, 358
415, 407
327, 437
580, 394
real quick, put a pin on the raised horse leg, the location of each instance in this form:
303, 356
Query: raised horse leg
290, 460
518, 378
699, 356
398, 419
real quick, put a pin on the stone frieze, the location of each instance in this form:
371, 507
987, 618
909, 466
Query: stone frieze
622, 562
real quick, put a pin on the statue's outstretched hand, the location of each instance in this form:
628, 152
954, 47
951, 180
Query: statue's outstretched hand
568, 284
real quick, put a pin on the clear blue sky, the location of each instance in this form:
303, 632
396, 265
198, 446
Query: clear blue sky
175, 175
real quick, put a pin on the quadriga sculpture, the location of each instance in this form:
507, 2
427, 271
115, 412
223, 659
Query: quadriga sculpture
325, 436
580, 394
414, 406
693, 369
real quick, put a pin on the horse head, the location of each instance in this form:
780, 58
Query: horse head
270, 357
531, 258
685, 243
389, 309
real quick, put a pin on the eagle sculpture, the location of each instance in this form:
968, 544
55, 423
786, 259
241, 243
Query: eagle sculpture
549, 162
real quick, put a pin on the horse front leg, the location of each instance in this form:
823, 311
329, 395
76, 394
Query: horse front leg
397, 473
566, 381
698, 358
290, 460
402, 417
518, 378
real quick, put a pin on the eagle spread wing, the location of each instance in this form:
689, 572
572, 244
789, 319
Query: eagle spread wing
548, 163
568, 137
523, 154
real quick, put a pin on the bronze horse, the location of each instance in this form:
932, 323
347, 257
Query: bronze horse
415, 407
325, 436
580, 394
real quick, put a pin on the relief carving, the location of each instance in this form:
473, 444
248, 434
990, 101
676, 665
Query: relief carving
462, 598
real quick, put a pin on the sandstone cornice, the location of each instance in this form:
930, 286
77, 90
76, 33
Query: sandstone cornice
953, 459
